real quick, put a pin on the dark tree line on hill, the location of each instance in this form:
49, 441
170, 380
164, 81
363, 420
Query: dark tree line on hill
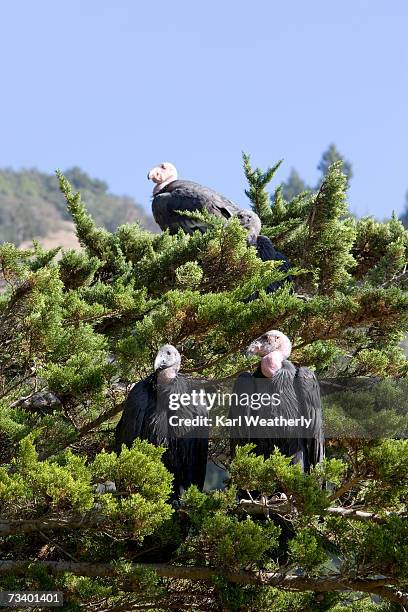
31, 204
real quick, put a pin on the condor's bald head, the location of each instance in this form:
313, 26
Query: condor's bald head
167, 363
162, 175
273, 347
269, 342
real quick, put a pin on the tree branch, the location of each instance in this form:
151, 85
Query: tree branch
387, 588
346, 487
395, 279
259, 507
249, 506
87, 428
105, 416
20, 526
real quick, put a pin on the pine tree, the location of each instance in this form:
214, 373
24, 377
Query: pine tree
77, 328
294, 185
332, 155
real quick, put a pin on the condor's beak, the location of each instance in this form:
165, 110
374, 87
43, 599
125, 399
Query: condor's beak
159, 363
253, 348
148, 175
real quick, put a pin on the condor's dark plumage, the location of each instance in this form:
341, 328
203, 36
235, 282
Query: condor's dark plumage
299, 392
172, 194
145, 416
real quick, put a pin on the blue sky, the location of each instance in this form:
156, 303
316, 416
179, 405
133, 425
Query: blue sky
116, 87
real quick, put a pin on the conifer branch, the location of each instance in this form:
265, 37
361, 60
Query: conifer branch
85, 429
252, 507
346, 487
395, 279
258, 507
27, 526
384, 587
257, 192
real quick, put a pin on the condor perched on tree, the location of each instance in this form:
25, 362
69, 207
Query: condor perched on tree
146, 416
299, 394
171, 194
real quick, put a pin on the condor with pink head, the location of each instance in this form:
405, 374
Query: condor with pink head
299, 393
172, 196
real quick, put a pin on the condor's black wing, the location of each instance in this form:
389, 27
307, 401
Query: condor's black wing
182, 195
140, 403
240, 434
308, 393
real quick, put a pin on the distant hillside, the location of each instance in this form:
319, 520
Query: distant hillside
31, 206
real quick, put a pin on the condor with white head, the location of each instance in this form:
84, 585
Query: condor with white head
167, 363
146, 416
